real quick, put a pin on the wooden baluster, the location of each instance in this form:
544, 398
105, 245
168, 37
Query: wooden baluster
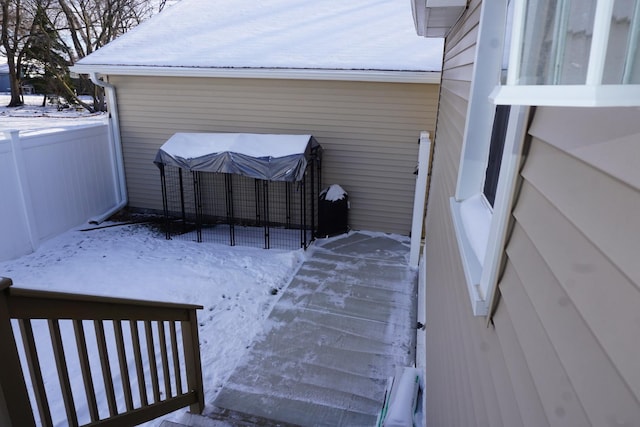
63, 372
122, 362
152, 361
87, 378
137, 354
35, 371
106, 368
165, 360
176, 357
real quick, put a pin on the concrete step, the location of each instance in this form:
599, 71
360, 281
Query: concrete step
218, 417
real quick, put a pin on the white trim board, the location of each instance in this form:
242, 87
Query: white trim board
429, 77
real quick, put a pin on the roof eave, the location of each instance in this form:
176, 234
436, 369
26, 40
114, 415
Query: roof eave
390, 76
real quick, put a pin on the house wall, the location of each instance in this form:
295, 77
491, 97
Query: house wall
572, 281
5, 83
466, 376
562, 346
369, 132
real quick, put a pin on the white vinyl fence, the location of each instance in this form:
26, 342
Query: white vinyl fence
52, 181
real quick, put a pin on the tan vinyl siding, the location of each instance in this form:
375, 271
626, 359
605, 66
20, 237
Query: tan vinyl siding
575, 249
527, 398
562, 347
467, 381
559, 401
369, 132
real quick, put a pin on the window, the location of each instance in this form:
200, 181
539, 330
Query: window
496, 147
489, 163
574, 53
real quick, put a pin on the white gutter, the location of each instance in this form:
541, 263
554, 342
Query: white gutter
419, 198
117, 159
432, 77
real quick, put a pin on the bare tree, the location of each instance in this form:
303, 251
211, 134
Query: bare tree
17, 22
91, 24
46, 63
76, 27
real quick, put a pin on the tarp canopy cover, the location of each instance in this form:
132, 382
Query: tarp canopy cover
263, 156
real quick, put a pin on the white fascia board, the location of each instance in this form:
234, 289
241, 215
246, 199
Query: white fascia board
568, 95
445, 3
432, 77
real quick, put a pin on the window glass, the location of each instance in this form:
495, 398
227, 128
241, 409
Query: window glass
498, 134
557, 41
572, 45
623, 64
508, 29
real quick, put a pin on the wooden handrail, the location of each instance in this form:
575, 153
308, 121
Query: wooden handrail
147, 327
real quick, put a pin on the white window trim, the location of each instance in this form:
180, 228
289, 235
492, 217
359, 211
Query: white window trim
592, 93
481, 231
505, 195
568, 95
480, 111
465, 234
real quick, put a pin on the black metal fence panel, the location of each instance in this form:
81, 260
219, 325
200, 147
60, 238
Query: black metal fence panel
238, 210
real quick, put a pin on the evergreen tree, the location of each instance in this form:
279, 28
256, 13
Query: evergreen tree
45, 59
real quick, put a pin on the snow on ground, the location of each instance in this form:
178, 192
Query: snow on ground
31, 116
237, 286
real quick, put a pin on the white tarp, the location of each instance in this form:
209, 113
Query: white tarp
262, 156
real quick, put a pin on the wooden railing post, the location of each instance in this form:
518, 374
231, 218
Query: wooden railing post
191, 343
12, 383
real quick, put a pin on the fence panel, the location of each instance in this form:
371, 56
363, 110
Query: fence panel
52, 182
13, 223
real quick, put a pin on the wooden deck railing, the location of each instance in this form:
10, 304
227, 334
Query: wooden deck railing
153, 345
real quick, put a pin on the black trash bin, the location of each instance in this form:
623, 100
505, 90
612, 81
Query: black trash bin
333, 211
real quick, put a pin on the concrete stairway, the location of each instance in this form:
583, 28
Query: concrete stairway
333, 339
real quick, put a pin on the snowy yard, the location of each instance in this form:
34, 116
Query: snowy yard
237, 286
31, 116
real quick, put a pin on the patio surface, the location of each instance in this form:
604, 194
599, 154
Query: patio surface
333, 339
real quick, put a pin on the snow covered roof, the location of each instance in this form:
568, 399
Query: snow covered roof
194, 37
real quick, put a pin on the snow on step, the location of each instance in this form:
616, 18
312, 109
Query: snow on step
338, 332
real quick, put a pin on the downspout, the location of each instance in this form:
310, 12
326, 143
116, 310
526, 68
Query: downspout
117, 159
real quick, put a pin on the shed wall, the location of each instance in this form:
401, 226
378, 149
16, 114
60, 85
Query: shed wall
369, 132
560, 348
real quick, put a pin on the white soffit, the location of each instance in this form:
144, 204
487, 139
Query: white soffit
434, 18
